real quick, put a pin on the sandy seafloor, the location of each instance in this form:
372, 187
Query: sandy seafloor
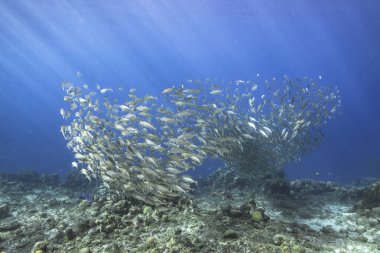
225, 213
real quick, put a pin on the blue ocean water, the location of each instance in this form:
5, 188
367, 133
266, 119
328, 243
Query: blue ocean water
152, 45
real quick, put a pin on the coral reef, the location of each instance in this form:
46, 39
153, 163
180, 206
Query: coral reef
370, 197
318, 218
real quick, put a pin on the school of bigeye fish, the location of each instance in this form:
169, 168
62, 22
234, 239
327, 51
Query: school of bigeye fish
141, 147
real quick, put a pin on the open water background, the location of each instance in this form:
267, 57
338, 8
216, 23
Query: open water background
152, 45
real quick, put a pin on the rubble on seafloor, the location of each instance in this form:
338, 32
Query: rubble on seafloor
226, 213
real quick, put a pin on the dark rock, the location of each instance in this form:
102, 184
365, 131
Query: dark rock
40, 247
230, 234
247, 207
28, 177
184, 202
304, 214
235, 212
362, 238
55, 236
370, 196
31, 178
9, 226
69, 234
277, 186
4, 211
328, 230
43, 215
121, 207
306, 186
76, 180
241, 182
50, 179
82, 225
226, 209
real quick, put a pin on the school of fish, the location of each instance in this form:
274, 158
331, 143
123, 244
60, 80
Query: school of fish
142, 147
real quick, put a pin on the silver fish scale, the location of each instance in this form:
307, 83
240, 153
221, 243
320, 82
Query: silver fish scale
144, 154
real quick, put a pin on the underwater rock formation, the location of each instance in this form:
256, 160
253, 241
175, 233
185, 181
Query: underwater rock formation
370, 197
141, 147
45, 218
